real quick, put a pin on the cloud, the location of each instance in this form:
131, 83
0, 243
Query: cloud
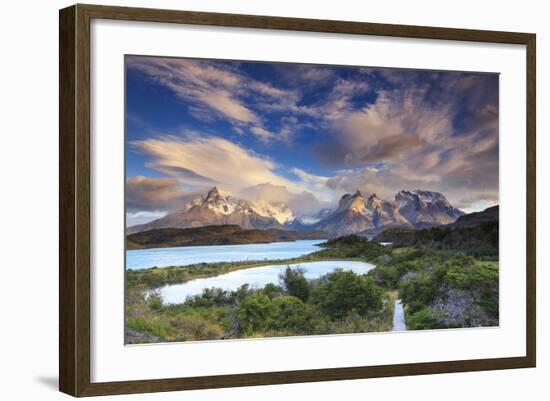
219, 90
154, 194
301, 203
388, 130
435, 131
263, 134
142, 216
427, 129
200, 83
207, 161
225, 103
195, 164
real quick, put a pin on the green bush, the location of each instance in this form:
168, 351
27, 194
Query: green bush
293, 315
287, 314
155, 327
272, 290
420, 287
295, 283
426, 318
343, 291
257, 313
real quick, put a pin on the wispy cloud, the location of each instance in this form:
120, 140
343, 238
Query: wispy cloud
214, 90
153, 194
207, 161
375, 129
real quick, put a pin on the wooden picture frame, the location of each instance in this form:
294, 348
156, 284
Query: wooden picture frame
74, 204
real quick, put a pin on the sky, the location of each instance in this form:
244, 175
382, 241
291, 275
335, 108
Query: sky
305, 134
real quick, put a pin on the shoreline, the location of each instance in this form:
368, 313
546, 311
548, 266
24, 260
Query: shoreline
183, 274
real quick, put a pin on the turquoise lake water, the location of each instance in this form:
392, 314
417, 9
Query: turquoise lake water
188, 255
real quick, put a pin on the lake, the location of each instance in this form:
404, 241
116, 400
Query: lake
189, 255
256, 277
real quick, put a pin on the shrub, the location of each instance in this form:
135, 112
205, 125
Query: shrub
272, 290
342, 291
287, 314
295, 283
419, 287
426, 318
256, 313
155, 327
196, 327
292, 315
154, 301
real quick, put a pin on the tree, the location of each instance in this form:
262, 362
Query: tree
272, 290
257, 313
293, 315
344, 291
295, 283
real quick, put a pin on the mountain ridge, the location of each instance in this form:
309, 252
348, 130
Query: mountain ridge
355, 214
217, 208
410, 209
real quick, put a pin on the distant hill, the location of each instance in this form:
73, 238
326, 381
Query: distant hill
476, 218
474, 233
213, 235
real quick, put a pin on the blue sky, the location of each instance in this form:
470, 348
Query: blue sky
305, 134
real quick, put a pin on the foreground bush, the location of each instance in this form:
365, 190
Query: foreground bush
339, 302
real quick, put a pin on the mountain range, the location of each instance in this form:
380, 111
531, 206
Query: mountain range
219, 208
355, 214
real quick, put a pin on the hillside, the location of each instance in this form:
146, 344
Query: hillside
473, 219
475, 234
213, 235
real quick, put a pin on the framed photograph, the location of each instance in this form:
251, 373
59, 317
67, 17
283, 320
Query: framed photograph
249, 200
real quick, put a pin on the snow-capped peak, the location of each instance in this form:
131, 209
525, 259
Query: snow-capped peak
278, 210
220, 202
430, 196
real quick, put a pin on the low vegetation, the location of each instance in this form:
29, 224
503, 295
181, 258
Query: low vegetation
480, 240
441, 289
339, 302
442, 283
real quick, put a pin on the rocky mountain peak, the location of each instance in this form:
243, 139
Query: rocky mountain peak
212, 194
217, 207
355, 213
354, 202
374, 201
430, 196
422, 207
